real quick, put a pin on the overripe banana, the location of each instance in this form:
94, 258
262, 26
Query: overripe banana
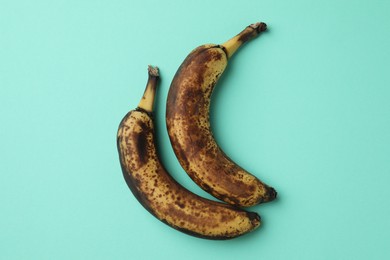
159, 193
187, 118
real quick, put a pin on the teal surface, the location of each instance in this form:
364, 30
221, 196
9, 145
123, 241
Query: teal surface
305, 107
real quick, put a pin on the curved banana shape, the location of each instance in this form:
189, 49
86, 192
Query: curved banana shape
187, 118
159, 193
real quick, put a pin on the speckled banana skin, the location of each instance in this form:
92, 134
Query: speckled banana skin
159, 193
187, 118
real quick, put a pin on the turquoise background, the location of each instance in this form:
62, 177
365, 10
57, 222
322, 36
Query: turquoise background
305, 107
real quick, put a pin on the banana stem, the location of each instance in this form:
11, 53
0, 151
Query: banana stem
147, 100
247, 34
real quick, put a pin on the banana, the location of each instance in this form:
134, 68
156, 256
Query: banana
187, 119
159, 193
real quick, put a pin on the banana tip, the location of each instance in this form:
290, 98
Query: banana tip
259, 27
272, 194
254, 218
153, 71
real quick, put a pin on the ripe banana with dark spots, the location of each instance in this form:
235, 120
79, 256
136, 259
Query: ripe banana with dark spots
159, 193
187, 118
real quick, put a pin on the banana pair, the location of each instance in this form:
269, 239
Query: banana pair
187, 119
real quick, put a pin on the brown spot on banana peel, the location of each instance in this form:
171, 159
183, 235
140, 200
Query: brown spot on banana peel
187, 118
166, 199
140, 140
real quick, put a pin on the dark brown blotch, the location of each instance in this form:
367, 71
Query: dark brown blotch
141, 142
180, 204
